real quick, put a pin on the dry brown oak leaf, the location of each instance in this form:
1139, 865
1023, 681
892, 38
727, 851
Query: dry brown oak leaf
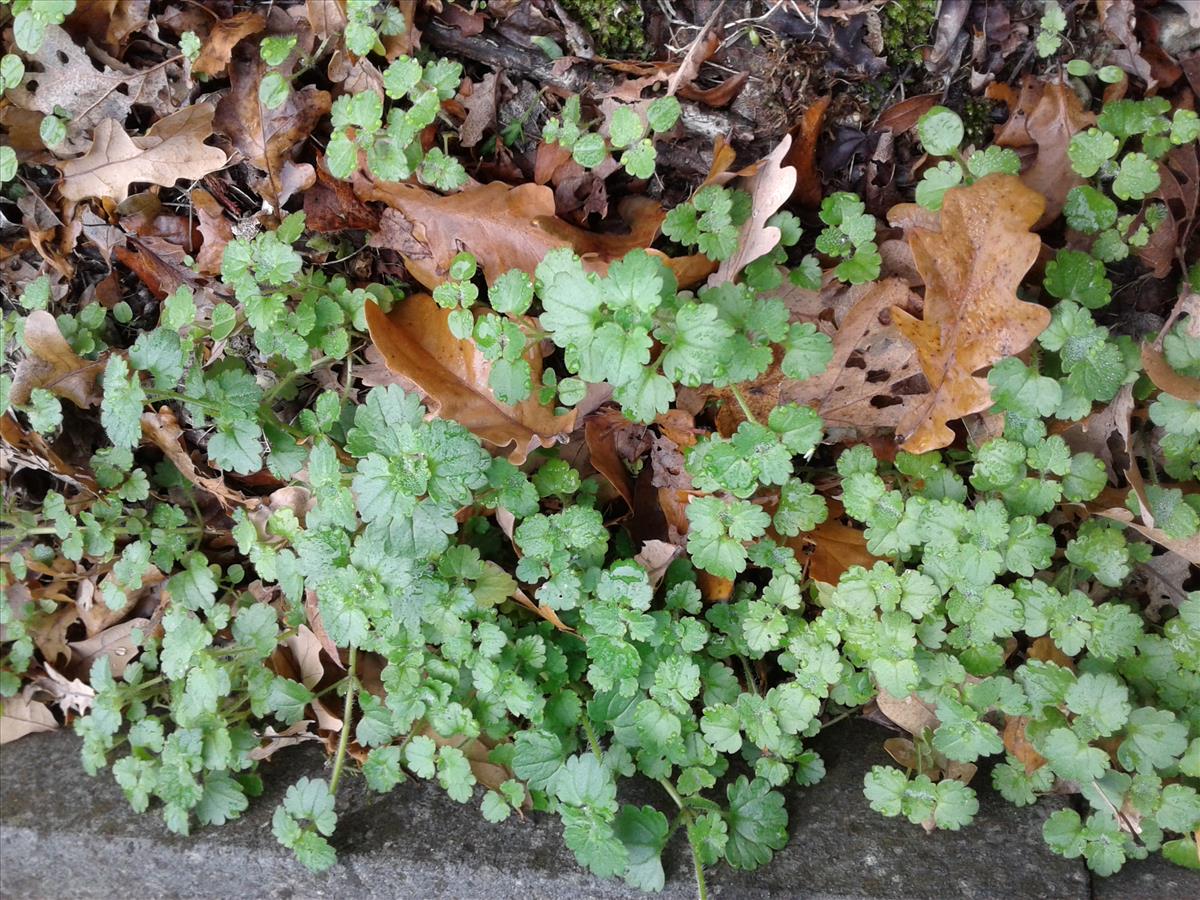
769, 188
417, 345
53, 365
504, 227
171, 150
971, 267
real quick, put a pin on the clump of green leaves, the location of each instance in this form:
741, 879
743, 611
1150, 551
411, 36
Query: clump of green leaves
629, 131
941, 132
1118, 173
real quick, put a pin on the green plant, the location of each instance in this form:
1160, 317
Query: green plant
626, 132
941, 132
30, 18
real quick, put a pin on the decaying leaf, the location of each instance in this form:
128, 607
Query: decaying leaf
973, 317
217, 49
830, 549
910, 713
70, 694
1047, 115
53, 365
416, 343
1018, 745
172, 149
216, 230
769, 187
116, 643
874, 378
21, 715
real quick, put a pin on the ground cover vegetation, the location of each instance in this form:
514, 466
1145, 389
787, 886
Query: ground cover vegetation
368, 385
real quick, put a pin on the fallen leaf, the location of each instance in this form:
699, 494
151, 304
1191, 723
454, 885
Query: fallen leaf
331, 205
116, 643
504, 227
70, 694
770, 187
1048, 115
416, 343
267, 138
973, 317
1189, 549
1117, 17
215, 229
718, 96
481, 110
910, 713
655, 557
600, 432
162, 429
544, 611
874, 378
20, 716
217, 49
703, 45
157, 271
1046, 650
171, 150
1019, 746
830, 549
273, 741
902, 116
1166, 378
53, 365
802, 156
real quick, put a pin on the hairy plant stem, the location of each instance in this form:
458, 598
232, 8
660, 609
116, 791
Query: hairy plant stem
698, 867
591, 739
347, 710
686, 816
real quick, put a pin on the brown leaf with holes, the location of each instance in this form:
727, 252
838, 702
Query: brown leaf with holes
973, 317
267, 138
171, 150
874, 377
53, 365
416, 343
217, 49
769, 187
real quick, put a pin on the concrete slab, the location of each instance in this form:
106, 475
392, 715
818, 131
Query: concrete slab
63, 834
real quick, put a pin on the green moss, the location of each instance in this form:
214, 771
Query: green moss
614, 25
977, 120
907, 27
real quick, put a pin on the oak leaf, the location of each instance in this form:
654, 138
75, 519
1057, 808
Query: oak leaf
830, 549
217, 49
769, 187
504, 227
873, 378
416, 344
1047, 115
973, 317
267, 138
53, 365
162, 429
171, 150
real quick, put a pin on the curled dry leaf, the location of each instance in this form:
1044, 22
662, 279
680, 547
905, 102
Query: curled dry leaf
331, 205
542, 610
769, 187
1189, 549
70, 694
601, 433
171, 150
53, 365
973, 317
217, 49
162, 429
1167, 379
802, 156
910, 713
416, 343
21, 715
215, 229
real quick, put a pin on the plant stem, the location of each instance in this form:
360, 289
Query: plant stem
701, 887
751, 682
737, 395
670, 789
591, 738
347, 711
